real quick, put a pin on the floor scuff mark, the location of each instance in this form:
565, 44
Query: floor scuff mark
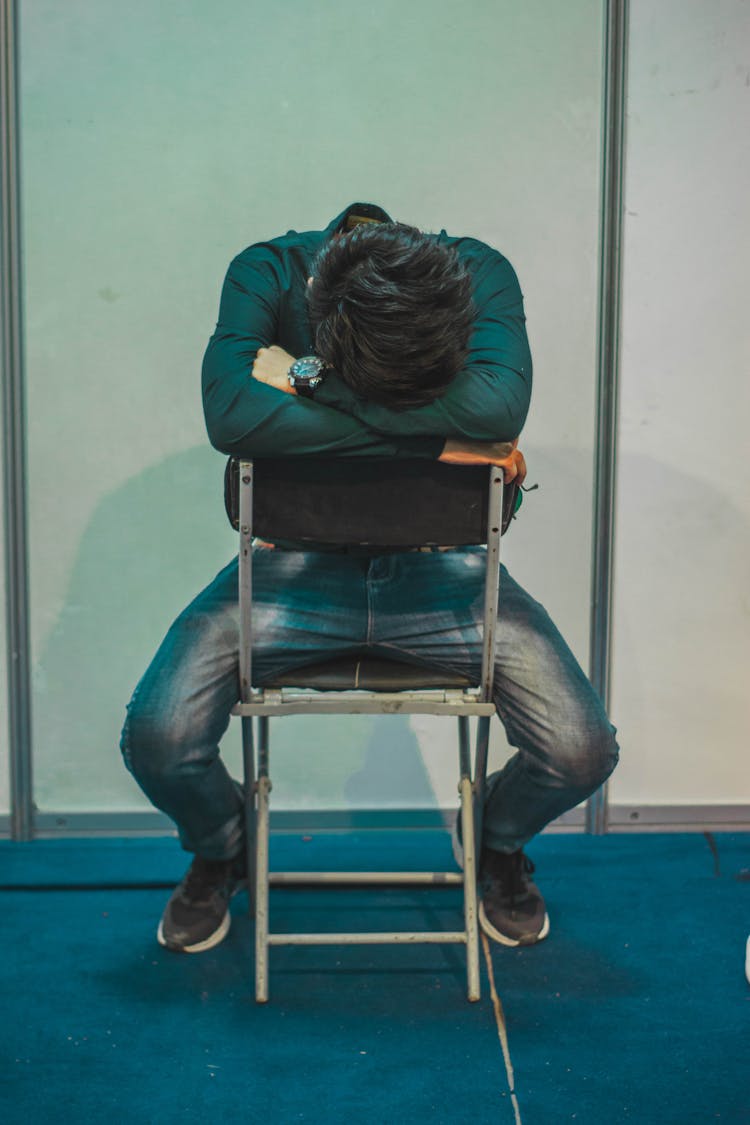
711, 841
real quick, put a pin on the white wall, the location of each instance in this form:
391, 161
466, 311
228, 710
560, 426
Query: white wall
4, 758
158, 140
682, 608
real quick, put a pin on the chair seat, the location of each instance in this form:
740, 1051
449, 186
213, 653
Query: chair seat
367, 673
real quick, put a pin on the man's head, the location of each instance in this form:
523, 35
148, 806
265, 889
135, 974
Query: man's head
391, 310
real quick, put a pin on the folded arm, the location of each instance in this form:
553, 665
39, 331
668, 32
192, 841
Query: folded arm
271, 366
248, 418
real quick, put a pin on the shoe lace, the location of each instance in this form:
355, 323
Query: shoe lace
511, 872
204, 877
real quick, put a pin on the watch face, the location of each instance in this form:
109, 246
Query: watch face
307, 368
306, 374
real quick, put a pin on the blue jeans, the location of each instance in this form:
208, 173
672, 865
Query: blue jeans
425, 607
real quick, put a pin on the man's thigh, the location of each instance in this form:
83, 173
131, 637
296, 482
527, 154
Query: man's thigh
432, 612
428, 606
306, 606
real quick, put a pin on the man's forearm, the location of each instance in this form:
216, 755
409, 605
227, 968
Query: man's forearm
272, 366
478, 410
247, 418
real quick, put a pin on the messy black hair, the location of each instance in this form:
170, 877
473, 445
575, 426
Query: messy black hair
391, 310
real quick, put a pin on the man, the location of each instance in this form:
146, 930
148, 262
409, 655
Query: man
369, 338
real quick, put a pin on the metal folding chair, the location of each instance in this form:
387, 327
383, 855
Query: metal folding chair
372, 505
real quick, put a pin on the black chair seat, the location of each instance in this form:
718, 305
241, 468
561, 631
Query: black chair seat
367, 673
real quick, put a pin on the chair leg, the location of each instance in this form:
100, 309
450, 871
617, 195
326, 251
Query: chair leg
470, 889
248, 770
480, 777
470, 864
261, 866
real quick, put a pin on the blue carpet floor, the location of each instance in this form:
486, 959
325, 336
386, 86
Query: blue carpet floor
635, 1009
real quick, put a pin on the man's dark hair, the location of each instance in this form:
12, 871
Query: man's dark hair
391, 310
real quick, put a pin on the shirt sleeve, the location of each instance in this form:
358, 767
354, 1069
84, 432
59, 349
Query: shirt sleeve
247, 418
489, 399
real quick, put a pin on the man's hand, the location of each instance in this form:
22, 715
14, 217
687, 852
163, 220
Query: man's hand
271, 366
506, 454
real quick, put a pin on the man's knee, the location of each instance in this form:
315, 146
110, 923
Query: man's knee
587, 755
158, 743
149, 743
181, 707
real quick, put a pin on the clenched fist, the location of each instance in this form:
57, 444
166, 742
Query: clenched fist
271, 366
505, 454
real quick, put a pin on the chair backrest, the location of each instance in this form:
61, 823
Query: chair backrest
368, 503
372, 505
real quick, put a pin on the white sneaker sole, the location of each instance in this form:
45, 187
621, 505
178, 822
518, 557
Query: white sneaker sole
503, 939
200, 946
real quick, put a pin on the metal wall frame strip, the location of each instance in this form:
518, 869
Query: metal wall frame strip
622, 818
14, 435
608, 349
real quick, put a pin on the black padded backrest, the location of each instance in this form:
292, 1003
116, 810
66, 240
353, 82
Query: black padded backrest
367, 502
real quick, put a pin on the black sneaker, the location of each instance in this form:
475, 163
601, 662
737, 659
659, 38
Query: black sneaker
196, 917
512, 909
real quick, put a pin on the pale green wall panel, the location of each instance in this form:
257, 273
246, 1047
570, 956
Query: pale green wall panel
157, 142
4, 748
681, 651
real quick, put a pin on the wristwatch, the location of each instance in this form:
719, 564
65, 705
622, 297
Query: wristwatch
306, 375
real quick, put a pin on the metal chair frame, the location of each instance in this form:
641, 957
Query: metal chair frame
262, 703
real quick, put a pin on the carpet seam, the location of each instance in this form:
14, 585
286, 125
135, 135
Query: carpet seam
502, 1030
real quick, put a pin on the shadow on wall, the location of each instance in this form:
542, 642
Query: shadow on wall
154, 542
150, 546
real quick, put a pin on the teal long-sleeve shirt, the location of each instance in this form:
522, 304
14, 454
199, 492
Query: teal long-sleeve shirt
263, 303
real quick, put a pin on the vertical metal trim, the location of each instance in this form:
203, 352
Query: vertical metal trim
14, 436
613, 157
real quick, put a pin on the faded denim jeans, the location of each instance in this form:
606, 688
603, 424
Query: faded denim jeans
423, 607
